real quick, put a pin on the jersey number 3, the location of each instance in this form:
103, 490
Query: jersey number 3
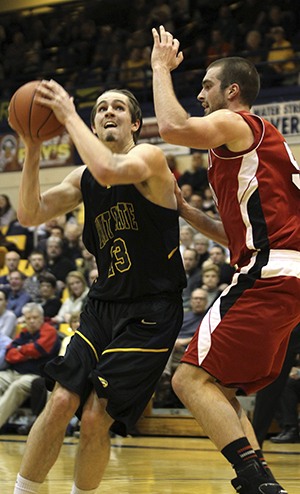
120, 258
295, 176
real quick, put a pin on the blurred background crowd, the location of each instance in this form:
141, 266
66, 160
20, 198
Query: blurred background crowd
108, 43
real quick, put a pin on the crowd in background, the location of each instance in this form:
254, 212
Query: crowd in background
108, 43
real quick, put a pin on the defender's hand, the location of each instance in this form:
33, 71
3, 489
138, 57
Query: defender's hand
165, 50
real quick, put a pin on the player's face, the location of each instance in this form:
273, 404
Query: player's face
211, 96
113, 119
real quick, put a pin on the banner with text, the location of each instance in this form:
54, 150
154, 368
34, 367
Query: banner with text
58, 151
284, 116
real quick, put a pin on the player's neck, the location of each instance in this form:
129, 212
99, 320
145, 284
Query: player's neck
118, 147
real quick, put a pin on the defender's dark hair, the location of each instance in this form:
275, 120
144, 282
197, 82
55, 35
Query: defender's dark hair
134, 108
242, 72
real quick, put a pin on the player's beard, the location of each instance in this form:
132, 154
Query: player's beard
110, 137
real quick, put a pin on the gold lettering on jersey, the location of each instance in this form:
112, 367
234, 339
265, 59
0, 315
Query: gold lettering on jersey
103, 228
119, 217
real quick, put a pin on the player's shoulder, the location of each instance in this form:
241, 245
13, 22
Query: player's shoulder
74, 177
148, 150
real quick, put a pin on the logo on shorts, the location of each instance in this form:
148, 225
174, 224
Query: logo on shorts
103, 382
147, 322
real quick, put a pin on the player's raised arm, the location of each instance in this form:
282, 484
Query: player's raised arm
112, 157
220, 125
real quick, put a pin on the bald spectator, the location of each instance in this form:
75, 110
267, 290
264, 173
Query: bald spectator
12, 260
17, 296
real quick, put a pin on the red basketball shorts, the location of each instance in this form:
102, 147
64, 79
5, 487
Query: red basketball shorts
242, 340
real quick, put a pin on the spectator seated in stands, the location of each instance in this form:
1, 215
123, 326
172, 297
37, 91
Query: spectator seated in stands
209, 206
32, 283
211, 282
193, 275
217, 255
164, 395
218, 47
197, 176
72, 247
201, 246
17, 296
186, 233
51, 303
7, 212
57, 263
12, 259
93, 274
8, 320
133, 69
172, 163
280, 56
39, 394
85, 262
37, 343
289, 420
8, 323
78, 290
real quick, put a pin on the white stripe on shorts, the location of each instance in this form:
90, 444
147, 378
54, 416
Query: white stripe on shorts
281, 263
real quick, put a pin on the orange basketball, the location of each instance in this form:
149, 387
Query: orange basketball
29, 118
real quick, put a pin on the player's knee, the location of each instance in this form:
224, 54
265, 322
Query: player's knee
177, 383
95, 418
63, 403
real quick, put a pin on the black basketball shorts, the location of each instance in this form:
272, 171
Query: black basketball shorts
120, 350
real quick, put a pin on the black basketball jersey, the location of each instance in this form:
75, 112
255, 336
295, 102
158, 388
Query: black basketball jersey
135, 242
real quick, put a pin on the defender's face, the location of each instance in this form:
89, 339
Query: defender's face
113, 119
211, 96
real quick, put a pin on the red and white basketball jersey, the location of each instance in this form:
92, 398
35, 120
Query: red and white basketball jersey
257, 193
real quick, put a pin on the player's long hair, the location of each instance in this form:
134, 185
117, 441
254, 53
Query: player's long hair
238, 70
134, 108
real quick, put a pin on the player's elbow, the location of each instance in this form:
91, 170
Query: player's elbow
26, 219
169, 132
102, 175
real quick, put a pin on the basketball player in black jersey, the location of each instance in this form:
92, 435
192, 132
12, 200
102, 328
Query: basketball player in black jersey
134, 309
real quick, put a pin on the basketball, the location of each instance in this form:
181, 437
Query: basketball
29, 118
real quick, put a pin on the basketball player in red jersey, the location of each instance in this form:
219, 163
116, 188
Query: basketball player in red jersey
240, 345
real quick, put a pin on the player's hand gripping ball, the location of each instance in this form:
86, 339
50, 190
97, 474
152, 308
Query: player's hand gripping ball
31, 119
